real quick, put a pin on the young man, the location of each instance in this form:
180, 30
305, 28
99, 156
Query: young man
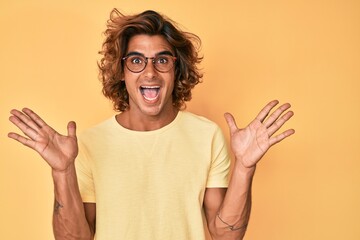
153, 171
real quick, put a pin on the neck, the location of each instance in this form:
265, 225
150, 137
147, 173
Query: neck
146, 122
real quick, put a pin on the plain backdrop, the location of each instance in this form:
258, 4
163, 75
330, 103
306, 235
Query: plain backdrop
301, 51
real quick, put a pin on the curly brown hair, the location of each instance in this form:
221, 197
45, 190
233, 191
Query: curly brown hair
120, 29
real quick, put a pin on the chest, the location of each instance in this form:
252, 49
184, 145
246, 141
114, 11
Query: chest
151, 167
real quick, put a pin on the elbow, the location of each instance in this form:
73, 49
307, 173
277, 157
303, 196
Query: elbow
63, 231
60, 234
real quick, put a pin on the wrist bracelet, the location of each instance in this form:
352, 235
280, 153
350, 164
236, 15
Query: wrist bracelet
231, 227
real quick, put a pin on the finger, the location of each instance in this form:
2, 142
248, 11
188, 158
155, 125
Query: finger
41, 123
28, 131
281, 136
278, 124
25, 119
265, 111
231, 122
275, 115
71, 127
27, 142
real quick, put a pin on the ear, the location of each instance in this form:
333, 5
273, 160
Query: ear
122, 77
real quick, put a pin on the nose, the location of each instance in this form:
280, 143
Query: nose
150, 70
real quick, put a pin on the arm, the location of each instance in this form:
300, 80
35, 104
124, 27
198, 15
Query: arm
70, 217
228, 213
235, 202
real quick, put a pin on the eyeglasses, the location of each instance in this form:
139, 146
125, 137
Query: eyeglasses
137, 63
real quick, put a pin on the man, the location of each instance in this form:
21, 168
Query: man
153, 171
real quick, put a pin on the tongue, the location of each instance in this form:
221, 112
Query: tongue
150, 92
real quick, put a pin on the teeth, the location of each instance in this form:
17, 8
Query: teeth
150, 93
150, 87
150, 99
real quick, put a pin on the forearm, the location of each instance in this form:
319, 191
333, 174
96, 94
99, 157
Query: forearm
233, 216
69, 221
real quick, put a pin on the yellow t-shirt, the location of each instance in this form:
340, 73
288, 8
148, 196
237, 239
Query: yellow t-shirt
150, 185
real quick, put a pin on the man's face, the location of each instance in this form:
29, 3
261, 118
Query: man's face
150, 91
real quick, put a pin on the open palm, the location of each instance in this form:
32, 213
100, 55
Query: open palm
59, 151
252, 142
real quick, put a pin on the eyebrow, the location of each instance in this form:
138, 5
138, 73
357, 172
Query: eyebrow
134, 53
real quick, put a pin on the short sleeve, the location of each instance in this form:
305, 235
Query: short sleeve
84, 175
220, 164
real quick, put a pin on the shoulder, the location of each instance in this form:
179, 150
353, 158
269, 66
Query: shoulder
189, 116
198, 123
101, 129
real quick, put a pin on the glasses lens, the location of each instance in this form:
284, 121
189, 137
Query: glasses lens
135, 63
163, 63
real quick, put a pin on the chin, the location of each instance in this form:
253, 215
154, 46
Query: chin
152, 111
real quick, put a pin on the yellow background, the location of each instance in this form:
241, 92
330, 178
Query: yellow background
305, 52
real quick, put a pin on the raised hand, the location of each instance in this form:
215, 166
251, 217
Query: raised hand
251, 143
59, 151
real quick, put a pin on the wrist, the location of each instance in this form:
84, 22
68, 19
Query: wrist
243, 170
64, 180
69, 170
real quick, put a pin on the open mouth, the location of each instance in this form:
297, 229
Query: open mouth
150, 93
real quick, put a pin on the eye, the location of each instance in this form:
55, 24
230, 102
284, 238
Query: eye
136, 60
162, 59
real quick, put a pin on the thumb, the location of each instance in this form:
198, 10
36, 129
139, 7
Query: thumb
231, 122
71, 127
